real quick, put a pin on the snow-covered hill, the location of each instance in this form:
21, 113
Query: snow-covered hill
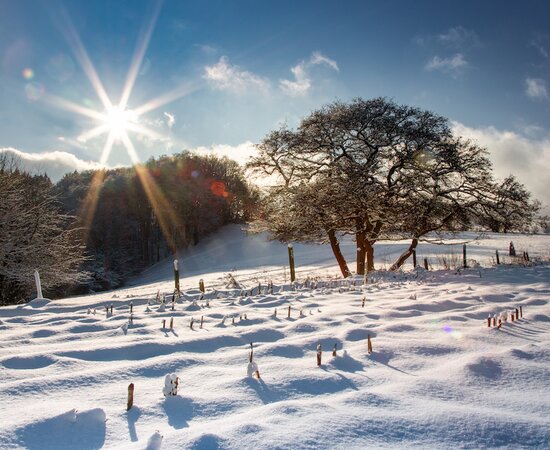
438, 376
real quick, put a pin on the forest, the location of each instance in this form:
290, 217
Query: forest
94, 230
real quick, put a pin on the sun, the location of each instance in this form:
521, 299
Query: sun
118, 121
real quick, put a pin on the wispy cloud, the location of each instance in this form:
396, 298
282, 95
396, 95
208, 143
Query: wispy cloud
514, 153
55, 164
301, 83
170, 119
541, 42
535, 88
225, 76
454, 64
459, 37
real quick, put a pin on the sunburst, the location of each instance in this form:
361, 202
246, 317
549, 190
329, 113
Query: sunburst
116, 121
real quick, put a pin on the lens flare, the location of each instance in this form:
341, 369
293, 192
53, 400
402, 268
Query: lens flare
218, 189
453, 333
34, 91
28, 74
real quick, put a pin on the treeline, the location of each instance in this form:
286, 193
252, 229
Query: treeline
118, 222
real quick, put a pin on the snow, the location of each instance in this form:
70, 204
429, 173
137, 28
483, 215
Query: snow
438, 376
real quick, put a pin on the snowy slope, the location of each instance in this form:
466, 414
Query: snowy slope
438, 377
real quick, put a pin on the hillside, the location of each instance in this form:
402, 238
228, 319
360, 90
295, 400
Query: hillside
438, 376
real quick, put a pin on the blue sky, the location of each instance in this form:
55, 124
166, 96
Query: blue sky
248, 66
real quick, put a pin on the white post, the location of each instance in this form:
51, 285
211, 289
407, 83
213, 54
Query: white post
38, 285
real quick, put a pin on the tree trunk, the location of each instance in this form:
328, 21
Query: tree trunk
361, 249
405, 255
338, 253
369, 250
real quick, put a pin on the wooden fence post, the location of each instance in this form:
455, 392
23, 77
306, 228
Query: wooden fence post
319, 353
369, 344
426, 264
414, 258
291, 262
130, 397
201, 285
464, 263
176, 276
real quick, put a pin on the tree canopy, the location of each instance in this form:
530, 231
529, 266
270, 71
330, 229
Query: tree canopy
376, 169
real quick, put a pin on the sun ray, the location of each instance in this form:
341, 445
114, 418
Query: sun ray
144, 131
164, 211
139, 54
117, 121
72, 107
82, 56
94, 132
169, 97
107, 149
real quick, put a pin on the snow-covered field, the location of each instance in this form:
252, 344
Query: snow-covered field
438, 377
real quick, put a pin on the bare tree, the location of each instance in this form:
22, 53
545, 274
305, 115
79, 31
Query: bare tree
34, 235
373, 169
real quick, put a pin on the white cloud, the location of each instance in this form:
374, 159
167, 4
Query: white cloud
170, 119
208, 49
452, 64
513, 153
55, 164
302, 82
240, 153
535, 88
225, 76
318, 58
459, 37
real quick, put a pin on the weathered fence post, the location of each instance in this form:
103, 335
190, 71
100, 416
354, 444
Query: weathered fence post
291, 262
319, 353
426, 264
414, 258
288, 311
201, 285
369, 344
130, 397
512, 250
464, 264
176, 276
498, 259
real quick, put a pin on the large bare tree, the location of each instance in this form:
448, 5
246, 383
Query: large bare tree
374, 169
